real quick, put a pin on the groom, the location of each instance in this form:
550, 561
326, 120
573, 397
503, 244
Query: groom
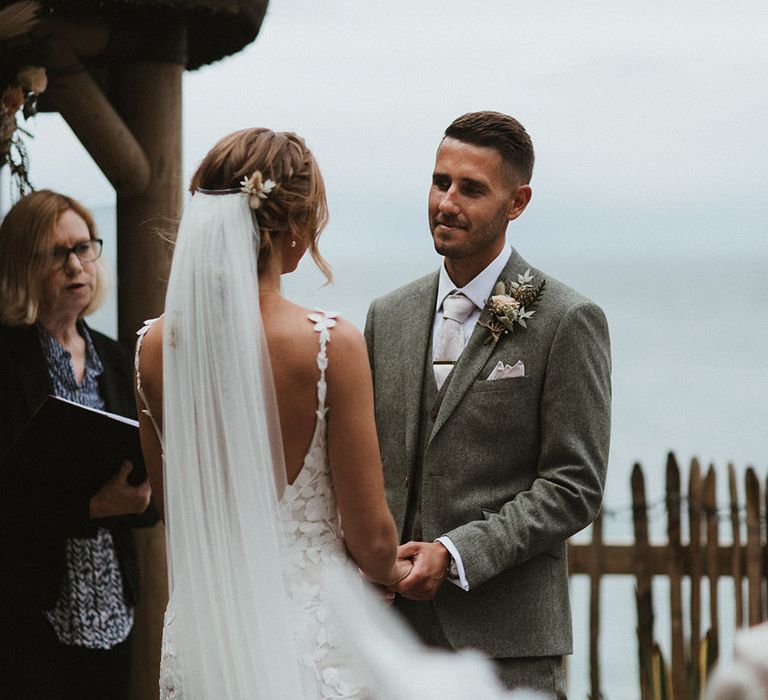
494, 422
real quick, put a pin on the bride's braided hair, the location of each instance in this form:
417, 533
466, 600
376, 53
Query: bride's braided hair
296, 206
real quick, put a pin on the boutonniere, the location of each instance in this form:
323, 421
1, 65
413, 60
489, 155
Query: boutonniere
511, 304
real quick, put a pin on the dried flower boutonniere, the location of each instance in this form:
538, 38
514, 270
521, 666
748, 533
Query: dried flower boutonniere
511, 304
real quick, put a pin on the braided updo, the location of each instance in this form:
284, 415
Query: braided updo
296, 206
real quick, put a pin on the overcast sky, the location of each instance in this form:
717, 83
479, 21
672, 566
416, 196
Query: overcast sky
649, 108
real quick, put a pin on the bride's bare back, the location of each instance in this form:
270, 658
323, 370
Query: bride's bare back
293, 348
352, 443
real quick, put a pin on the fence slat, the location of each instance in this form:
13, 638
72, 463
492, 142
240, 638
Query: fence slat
643, 595
710, 508
754, 559
763, 536
736, 570
594, 607
694, 525
679, 685
684, 676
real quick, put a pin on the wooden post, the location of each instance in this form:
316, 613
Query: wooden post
736, 556
643, 591
710, 507
764, 537
594, 607
754, 554
148, 96
149, 99
678, 668
694, 524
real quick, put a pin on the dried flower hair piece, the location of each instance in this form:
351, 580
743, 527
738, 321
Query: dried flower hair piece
256, 189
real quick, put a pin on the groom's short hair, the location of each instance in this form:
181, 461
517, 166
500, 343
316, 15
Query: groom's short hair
500, 131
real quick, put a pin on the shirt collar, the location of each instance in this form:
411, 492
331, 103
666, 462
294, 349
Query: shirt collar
477, 289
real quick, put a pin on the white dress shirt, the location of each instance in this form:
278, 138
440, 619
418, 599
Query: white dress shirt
477, 290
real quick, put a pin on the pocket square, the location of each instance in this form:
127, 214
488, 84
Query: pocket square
505, 371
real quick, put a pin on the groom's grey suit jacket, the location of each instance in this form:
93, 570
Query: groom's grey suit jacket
510, 468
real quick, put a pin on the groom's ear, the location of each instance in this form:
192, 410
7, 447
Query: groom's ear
518, 201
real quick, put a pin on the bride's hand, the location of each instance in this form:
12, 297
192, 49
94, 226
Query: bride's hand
401, 571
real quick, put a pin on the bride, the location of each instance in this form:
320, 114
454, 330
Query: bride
258, 430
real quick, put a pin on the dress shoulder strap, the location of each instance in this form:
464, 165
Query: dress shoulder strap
324, 321
136, 364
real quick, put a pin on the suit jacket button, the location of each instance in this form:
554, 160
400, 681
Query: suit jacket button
433, 415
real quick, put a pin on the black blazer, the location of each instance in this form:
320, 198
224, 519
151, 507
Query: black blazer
34, 526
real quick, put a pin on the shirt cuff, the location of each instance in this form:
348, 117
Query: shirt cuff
461, 582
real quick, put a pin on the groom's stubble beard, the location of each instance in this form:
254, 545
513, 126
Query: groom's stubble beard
474, 239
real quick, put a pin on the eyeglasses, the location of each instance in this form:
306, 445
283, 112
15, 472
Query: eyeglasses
87, 251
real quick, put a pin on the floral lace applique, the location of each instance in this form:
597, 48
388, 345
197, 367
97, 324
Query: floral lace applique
170, 670
313, 540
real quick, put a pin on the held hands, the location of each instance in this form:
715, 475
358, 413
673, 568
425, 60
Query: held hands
430, 563
400, 571
118, 497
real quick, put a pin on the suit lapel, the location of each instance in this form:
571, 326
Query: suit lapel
418, 314
476, 354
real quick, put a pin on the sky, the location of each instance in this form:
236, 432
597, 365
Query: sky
649, 121
637, 110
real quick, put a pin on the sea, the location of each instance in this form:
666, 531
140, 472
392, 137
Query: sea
688, 315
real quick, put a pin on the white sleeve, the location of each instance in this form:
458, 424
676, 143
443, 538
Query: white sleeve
461, 582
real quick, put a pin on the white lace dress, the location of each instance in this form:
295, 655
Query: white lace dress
313, 541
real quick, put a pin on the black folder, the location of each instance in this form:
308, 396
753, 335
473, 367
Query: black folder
69, 447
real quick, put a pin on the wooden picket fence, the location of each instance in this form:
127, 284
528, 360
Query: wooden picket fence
683, 676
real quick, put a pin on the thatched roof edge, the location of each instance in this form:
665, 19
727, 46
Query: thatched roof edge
215, 28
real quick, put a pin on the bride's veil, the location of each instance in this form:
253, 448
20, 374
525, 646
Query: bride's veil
224, 468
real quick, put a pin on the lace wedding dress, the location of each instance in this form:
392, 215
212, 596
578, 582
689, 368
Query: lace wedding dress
313, 544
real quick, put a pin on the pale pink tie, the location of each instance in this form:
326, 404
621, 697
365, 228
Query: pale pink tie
450, 336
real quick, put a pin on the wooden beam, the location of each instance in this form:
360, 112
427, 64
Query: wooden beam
621, 559
75, 95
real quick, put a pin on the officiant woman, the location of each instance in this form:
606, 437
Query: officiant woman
68, 568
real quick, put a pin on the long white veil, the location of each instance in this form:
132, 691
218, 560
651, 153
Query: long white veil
224, 467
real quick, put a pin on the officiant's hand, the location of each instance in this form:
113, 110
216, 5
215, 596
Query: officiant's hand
430, 563
119, 497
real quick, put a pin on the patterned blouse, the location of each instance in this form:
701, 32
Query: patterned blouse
91, 611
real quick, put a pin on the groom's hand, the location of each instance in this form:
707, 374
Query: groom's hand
430, 563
